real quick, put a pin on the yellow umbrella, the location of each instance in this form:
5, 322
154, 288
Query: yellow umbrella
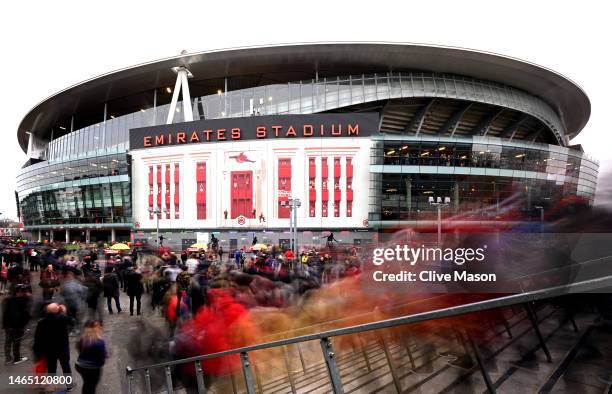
259, 247
200, 246
120, 246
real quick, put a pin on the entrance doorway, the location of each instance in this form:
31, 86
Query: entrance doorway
242, 194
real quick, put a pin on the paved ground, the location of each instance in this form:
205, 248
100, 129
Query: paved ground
119, 331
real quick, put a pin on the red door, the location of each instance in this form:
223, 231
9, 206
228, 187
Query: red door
242, 194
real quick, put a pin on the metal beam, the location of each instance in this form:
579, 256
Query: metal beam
182, 75
535, 134
419, 118
382, 113
511, 129
482, 128
454, 120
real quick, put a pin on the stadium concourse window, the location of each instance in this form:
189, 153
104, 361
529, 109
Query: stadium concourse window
93, 204
406, 196
45, 173
462, 155
477, 155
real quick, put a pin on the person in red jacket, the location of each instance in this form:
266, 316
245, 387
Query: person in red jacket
49, 281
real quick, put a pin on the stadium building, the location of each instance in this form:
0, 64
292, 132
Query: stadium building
369, 137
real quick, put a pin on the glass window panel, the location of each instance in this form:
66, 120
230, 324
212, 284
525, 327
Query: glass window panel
235, 102
369, 88
282, 99
294, 98
307, 91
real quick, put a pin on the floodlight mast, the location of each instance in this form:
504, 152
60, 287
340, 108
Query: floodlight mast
439, 203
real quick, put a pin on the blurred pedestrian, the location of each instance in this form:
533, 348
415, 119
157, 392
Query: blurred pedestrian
16, 313
51, 338
134, 288
3, 278
74, 294
220, 252
172, 271
110, 283
92, 355
34, 260
49, 281
192, 264
94, 290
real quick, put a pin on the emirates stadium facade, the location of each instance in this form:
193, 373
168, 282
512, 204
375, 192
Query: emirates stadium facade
370, 137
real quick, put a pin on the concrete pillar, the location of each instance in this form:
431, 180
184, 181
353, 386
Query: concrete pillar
51, 235
39, 236
87, 236
67, 236
112, 235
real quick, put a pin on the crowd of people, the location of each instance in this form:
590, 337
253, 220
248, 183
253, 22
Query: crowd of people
74, 284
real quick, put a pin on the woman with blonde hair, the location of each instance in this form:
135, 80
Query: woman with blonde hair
92, 355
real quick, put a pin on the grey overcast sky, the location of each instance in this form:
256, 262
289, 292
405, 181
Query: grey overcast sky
47, 46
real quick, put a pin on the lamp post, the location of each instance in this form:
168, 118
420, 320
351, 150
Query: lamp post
439, 203
294, 204
157, 211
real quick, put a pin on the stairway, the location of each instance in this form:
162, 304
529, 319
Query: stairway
582, 362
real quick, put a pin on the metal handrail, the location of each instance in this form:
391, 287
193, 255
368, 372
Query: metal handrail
578, 287
563, 268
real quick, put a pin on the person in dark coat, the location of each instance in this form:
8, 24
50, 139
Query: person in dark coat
94, 290
121, 272
15, 274
160, 286
16, 313
110, 283
34, 260
51, 338
134, 288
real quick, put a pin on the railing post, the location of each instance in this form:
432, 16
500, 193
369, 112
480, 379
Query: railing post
200, 377
534, 322
233, 380
301, 357
246, 369
481, 365
257, 378
507, 326
396, 380
130, 379
147, 375
405, 340
169, 380
288, 366
364, 351
332, 367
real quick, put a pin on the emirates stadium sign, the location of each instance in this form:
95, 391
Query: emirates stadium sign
256, 128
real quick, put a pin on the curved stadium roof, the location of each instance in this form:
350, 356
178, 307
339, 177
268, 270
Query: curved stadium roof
292, 62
